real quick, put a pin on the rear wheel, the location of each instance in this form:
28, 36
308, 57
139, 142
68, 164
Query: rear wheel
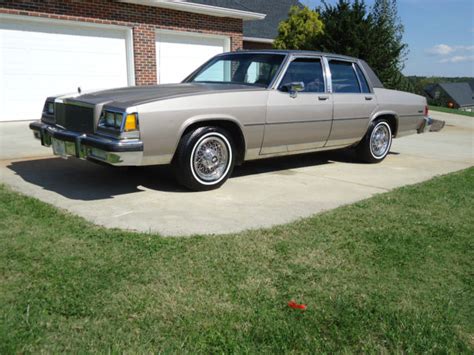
204, 159
375, 145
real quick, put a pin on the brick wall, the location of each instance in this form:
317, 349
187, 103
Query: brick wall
143, 19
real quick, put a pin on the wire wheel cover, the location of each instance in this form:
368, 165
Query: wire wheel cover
211, 159
380, 140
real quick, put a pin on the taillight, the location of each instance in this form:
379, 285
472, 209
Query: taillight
426, 112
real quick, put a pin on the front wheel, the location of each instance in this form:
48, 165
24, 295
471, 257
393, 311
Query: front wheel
375, 145
204, 159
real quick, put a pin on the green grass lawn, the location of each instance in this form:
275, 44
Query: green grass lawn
393, 273
451, 110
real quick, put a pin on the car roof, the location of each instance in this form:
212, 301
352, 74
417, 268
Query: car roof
296, 52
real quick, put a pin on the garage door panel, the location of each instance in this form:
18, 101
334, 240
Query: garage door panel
43, 59
178, 55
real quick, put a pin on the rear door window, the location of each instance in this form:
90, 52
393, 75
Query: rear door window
362, 80
344, 78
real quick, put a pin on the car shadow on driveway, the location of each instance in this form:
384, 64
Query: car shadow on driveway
81, 180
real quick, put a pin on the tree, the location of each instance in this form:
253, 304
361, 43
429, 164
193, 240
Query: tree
390, 51
300, 30
349, 28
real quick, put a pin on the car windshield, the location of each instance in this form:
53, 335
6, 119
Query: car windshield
252, 69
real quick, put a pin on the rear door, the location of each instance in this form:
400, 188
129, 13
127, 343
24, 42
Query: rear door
301, 121
354, 102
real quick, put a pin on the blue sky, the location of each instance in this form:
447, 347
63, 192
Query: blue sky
439, 34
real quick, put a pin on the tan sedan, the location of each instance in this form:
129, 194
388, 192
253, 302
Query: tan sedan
236, 107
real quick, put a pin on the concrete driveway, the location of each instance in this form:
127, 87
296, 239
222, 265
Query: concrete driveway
260, 194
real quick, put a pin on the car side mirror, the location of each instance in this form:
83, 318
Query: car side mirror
293, 88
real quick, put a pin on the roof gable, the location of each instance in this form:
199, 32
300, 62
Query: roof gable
459, 92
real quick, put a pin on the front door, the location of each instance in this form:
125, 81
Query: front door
354, 103
298, 121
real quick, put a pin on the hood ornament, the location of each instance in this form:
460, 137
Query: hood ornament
79, 90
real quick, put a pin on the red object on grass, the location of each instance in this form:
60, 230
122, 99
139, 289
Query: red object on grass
294, 305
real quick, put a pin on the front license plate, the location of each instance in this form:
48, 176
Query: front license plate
59, 148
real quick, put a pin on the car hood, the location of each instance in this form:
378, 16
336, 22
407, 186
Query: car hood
136, 95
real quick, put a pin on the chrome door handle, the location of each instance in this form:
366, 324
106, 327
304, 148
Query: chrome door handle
368, 98
323, 98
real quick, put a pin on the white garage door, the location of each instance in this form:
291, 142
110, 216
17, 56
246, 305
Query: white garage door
39, 59
179, 54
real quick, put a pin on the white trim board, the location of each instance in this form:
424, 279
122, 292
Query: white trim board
182, 5
259, 40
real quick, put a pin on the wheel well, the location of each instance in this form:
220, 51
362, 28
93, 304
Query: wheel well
392, 121
231, 127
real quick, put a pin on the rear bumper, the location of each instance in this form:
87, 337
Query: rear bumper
424, 124
83, 146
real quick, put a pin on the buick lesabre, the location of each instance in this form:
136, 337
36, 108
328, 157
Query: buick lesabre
236, 107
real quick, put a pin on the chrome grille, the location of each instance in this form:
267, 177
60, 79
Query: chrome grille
59, 113
78, 118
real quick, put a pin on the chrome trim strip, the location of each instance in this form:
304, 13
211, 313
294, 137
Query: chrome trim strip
308, 121
292, 152
254, 124
351, 118
293, 122
327, 75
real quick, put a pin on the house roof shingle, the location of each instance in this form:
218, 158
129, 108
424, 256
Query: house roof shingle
459, 92
276, 12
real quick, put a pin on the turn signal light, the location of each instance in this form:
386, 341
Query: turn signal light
131, 122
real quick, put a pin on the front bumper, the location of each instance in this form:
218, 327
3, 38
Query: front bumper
83, 146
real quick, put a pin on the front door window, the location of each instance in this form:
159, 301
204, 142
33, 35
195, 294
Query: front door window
306, 70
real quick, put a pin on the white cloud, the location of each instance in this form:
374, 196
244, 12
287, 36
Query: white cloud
445, 50
441, 49
458, 59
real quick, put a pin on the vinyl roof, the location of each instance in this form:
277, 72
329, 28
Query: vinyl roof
299, 52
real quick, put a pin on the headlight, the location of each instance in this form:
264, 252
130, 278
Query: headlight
118, 121
49, 107
110, 119
115, 120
